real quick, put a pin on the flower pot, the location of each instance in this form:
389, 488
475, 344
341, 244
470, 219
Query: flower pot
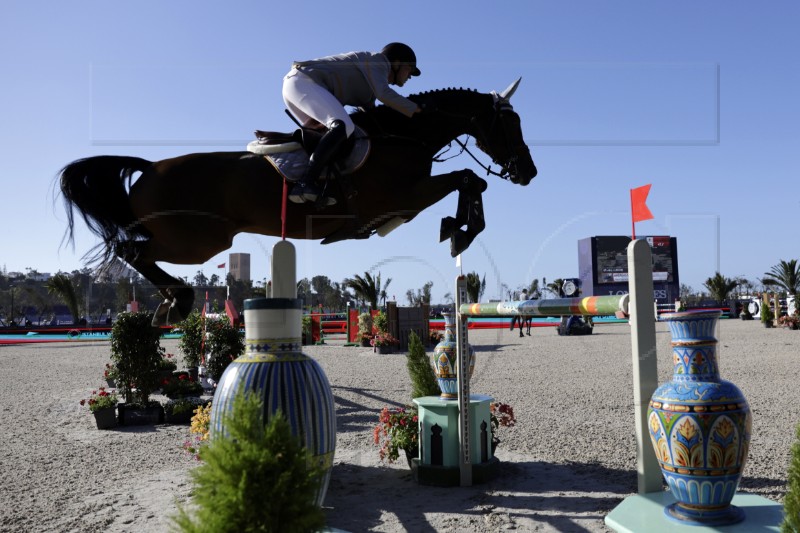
105, 418
184, 417
136, 415
384, 349
445, 363
274, 367
699, 425
194, 373
365, 343
411, 455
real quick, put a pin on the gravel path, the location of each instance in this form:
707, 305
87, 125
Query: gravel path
567, 463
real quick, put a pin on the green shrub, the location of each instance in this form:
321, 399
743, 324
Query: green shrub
256, 478
225, 343
381, 322
423, 378
791, 503
136, 352
191, 343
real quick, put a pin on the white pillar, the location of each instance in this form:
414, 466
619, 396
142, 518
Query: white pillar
644, 357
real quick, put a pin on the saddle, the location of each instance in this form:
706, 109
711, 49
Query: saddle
289, 152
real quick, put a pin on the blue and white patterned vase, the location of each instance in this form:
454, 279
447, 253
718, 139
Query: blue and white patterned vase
445, 362
700, 426
274, 366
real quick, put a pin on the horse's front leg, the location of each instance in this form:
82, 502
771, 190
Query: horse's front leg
469, 212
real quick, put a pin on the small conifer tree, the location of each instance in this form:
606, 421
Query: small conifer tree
423, 379
257, 477
791, 503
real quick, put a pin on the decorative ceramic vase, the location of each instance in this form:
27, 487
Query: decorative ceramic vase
274, 367
699, 426
445, 362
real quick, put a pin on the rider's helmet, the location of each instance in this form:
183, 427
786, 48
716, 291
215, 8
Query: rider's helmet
401, 53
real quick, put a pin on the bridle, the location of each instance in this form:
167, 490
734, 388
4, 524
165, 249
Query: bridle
482, 140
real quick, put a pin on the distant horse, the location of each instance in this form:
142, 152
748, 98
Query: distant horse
187, 209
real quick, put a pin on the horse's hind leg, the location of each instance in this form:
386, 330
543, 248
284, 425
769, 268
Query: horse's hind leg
178, 297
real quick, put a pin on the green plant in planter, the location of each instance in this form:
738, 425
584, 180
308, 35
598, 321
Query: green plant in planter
136, 353
423, 378
306, 332
225, 343
191, 343
365, 325
766, 314
381, 322
258, 477
791, 502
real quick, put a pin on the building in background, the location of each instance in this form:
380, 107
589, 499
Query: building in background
239, 266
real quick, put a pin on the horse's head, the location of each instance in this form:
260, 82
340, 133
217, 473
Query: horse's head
498, 133
491, 120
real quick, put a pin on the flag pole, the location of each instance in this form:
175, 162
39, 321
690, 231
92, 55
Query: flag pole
633, 219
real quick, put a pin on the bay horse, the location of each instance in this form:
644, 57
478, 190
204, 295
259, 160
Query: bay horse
186, 209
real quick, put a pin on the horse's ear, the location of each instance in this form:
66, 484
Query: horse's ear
509, 92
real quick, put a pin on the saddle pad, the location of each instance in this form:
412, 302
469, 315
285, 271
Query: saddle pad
264, 149
292, 162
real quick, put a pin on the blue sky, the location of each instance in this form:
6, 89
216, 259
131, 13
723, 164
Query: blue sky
697, 98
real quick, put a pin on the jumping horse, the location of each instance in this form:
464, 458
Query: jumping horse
186, 209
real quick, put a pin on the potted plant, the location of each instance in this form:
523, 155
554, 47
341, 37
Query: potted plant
181, 410
224, 344
384, 343
500, 415
199, 431
137, 354
111, 375
398, 430
791, 322
791, 502
103, 405
256, 476
167, 366
192, 343
306, 330
365, 328
181, 385
766, 316
381, 322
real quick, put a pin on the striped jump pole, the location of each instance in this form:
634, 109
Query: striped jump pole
588, 306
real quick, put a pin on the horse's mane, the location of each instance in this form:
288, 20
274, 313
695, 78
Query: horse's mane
455, 100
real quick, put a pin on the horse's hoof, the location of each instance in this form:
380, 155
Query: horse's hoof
182, 304
459, 242
447, 228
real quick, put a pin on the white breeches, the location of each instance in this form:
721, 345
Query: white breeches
306, 99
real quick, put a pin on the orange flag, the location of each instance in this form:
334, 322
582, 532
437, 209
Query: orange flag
639, 210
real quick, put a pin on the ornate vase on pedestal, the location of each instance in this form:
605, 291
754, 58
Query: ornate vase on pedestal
274, 366
445, 363
700, 426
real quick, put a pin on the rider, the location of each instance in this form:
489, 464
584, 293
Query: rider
320, 88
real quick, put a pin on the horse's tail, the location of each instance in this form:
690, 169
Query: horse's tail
98, 187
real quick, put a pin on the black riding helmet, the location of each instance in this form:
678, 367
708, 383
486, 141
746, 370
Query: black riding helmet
401, 53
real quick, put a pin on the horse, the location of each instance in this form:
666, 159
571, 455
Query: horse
185, 210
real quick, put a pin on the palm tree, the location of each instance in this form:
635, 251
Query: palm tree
62, 287
368, 288
475, 287
533, 290
555, 287
719, 287
785, 275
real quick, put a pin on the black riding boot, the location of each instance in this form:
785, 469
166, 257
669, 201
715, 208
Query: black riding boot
306, 190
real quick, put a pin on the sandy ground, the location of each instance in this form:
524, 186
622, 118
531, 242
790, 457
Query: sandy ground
569, 461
